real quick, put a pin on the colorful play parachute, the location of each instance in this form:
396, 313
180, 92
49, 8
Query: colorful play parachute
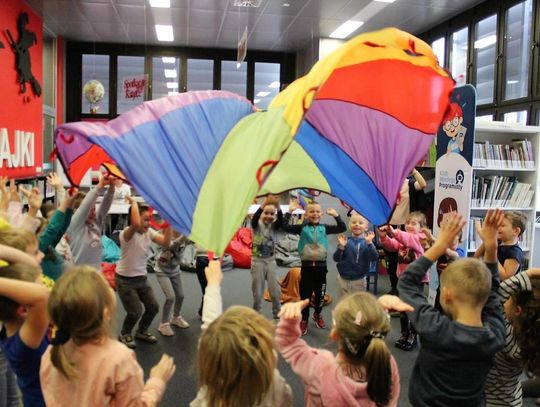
354, 127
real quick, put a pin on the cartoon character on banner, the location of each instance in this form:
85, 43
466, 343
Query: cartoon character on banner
452, 126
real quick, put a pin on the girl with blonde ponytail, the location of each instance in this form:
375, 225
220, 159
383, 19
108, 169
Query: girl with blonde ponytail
84, 366
363, 373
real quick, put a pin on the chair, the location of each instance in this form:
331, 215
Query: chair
373, 277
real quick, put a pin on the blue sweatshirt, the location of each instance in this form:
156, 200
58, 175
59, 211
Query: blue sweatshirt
353, 262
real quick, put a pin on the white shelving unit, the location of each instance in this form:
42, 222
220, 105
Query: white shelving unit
505, 133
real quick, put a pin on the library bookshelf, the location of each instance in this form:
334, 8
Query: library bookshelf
505, 175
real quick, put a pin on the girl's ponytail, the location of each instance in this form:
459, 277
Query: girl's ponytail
379, 371
60, 361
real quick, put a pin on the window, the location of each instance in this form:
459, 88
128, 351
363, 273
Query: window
234, 79
516, 117
438, 49
130, 69
517, 40
200, 74
485, 45
49, 71
165, 76
458, 56
485, 118
96, 67
267, 83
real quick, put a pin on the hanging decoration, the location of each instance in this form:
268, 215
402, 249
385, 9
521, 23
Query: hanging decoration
93, 91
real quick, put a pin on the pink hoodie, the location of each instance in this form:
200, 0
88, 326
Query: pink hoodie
324, 381
403, 242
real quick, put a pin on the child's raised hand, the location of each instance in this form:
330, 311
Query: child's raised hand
213, 273
130, 199
35, 199
293, 310
393, 303
332, 212
490, 227
271, 199
383, 231
13, 191
164, 369
370, 236
342, 241
54, 181
449, 230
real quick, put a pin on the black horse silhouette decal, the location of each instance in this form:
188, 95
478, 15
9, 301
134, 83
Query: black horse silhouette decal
27, 39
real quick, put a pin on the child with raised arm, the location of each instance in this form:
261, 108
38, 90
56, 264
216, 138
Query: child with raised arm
409, 247
509, 254
313, 248
363, 373
354, 256
237, 356
265, 222
9, 392
520, 296
459, 345
84, 366
84, 231
49, 238
24, 317
131, 275
168, 274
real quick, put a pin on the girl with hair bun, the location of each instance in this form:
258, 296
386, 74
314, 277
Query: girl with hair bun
363, 373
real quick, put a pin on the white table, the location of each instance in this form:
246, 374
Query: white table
284, 208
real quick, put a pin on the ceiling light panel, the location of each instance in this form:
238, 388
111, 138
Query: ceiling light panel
346, 29
170, 73
160, 3
164, 33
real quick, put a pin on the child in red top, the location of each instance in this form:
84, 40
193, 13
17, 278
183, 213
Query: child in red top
409, 246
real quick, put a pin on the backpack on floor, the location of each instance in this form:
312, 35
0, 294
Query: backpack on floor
188, 258
286, 251
240, 248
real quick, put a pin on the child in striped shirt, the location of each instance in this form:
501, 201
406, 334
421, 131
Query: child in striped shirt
520, 295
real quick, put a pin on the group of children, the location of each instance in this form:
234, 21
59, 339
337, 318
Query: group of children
471, 351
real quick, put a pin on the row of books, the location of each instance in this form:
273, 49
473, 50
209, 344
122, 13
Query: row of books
518, 155
501, 192
474, 240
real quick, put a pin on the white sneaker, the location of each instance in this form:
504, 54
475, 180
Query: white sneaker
165, 329
179, 322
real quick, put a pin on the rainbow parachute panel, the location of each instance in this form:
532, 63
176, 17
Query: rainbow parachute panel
353, 127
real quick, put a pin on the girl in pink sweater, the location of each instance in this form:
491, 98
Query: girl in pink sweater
363, 373
409, 245
84, 366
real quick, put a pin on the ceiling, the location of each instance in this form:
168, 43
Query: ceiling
218, 23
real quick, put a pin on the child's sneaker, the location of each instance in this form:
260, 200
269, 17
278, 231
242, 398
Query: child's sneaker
303, 327
165, 329
401, 341
146, 336
127, 340
179, 322
319, 321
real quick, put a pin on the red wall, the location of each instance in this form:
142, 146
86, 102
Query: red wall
18, 112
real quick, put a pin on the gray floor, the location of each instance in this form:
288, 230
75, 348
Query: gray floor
236, 290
